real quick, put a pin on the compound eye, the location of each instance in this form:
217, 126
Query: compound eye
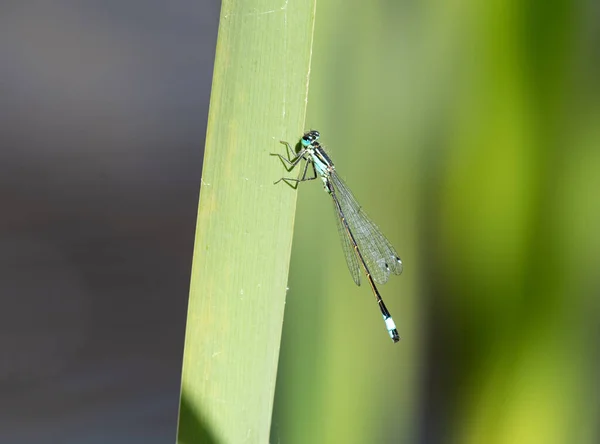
306, 140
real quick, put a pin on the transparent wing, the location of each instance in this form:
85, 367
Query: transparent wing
349, 253
379, 254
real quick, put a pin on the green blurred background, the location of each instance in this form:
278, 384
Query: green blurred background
470, 132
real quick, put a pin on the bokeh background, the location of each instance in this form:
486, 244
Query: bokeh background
103, 115
470, 132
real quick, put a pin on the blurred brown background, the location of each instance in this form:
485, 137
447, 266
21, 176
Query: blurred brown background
102, 121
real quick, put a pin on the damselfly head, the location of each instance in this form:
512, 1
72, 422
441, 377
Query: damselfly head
310, 137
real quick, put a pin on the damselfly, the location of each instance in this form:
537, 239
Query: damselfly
364, 245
